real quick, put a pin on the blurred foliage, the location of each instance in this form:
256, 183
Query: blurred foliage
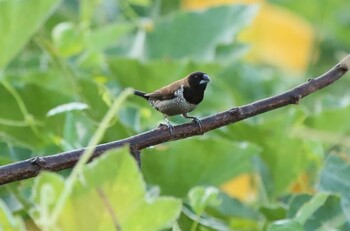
116, 196
62, 64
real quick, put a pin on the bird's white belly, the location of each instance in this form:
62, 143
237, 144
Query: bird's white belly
173, 106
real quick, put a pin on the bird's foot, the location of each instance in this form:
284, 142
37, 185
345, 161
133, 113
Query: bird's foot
169, 126
200, 124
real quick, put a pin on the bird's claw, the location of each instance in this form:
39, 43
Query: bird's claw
200, 124
171, 128
168, 125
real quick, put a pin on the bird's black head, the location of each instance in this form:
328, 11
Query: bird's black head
198, 80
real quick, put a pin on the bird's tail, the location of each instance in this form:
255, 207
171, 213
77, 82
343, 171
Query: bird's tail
141, 94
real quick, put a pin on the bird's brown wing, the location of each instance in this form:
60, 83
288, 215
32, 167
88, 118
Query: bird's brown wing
166, 92
161, 95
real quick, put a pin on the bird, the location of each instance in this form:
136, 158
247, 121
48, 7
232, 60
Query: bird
179, 97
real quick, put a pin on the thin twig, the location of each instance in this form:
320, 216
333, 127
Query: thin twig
31, 167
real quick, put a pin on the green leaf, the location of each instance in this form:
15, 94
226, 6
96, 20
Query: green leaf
195, 35
329, 217
229, 53
335, 178
278, 150
11, 153
140, 2
46, 190
296, 203
345, 205
169, 6
67, 107
309, 208
93, 97
87, 9
266, 185
338, 123
317, 214
195, 162
274, 212
285, 225
175, 227
231, 207
69, 39
7, 221
204, 221
19, 20
39, 101
112, 192
106, 36
335, 175
77, 130
202, 197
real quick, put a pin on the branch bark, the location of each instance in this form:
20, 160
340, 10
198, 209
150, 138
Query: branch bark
31, 167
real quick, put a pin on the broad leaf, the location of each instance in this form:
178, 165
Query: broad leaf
196, 35
335, 175
19, 20
195, 162
111, 192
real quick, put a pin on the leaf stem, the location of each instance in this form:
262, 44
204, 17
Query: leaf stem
28, 118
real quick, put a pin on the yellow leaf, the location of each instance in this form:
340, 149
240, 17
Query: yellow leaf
199, 4
280, 38
241, 187
302, 184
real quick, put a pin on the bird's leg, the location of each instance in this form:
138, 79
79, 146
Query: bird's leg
195, 119
168, 124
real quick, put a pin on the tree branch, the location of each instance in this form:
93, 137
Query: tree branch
31, 167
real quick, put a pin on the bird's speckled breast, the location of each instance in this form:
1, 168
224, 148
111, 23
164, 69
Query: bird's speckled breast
175, 106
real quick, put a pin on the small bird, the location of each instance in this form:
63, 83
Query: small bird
179, 97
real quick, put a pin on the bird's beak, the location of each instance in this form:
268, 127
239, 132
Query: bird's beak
205, 79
